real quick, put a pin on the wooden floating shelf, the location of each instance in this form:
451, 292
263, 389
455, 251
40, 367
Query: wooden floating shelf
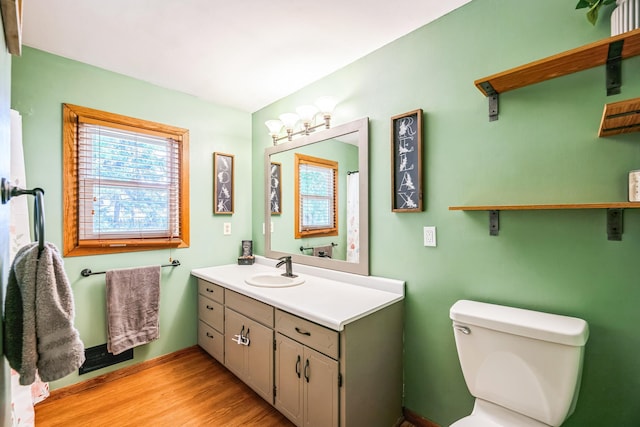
607, 205
571, 61
614, 213
620, 117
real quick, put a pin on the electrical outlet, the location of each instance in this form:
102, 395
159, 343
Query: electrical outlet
430, 236
226, 228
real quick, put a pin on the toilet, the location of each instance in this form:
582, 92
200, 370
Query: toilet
522, 366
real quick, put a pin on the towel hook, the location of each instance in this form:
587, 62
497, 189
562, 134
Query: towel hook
7, 191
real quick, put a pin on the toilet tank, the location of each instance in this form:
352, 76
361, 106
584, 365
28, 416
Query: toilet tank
526, 361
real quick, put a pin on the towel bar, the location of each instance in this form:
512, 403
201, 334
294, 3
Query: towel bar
87, 271
302, 248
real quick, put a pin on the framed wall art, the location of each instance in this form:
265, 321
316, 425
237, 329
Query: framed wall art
275, 195
222, 183
406, 162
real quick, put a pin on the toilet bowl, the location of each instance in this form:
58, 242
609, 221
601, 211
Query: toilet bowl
522, 366
486, 414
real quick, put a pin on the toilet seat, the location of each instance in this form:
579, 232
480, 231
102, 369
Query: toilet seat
487, 414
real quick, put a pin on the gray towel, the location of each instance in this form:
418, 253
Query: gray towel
133, 301
39, 332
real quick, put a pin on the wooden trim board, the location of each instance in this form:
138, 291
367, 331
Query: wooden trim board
416, 419
12, 20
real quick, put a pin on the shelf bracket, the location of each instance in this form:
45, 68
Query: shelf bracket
614, 67
614, 224
493, 98
494, 223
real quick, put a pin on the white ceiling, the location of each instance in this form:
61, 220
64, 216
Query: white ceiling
241, 53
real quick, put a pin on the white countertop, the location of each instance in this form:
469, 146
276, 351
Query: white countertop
329, 298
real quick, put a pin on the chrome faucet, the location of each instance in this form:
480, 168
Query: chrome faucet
286, 260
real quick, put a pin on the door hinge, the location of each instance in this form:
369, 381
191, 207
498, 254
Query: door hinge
274, 345
339, 380
275, 391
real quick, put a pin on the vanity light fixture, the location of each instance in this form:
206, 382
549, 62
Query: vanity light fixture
306, 115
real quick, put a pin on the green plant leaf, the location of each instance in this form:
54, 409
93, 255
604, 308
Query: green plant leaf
582, 4
592, 14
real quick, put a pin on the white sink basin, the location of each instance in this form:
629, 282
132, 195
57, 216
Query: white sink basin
270, 280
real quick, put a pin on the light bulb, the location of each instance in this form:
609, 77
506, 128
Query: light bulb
307, 113
289, 120
326, 104
274, 126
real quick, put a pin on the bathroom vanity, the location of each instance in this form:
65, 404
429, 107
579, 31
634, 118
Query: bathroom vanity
327, 352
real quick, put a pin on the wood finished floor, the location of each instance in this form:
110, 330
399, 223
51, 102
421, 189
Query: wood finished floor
192, 390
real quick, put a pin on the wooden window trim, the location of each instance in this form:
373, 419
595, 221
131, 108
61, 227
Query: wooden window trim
71, 115
316, 161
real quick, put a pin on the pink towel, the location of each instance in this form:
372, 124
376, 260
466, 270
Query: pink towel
133, 303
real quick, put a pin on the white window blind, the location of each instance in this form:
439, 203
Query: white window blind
128, 184
317, 188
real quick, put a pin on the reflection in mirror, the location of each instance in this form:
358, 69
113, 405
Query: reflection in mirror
315, 193
299, 199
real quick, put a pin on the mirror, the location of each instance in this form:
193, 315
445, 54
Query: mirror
347, 249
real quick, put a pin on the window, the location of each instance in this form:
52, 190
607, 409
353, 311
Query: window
316, 196
126, 183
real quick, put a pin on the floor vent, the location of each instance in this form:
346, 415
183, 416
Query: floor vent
98, 357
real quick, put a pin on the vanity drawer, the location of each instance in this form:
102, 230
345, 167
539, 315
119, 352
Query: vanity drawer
308, 333
211, 312
251, 308
211, 341
210, 290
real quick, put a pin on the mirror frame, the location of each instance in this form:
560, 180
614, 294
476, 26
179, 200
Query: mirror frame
362, 127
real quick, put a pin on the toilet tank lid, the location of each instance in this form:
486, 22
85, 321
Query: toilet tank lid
528, 323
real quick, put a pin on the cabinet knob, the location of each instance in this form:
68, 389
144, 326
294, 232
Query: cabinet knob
209, 307
298, 366
209, 335
209, 290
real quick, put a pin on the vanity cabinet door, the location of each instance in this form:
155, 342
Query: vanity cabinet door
211, 312
320, 382
306, 384
234, 355
211, 291
251, 359
259, 368
211, 319
289, 389
211, 341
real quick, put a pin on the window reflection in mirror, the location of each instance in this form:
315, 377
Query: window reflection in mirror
316, 196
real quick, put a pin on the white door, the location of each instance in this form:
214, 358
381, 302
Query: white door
5, 124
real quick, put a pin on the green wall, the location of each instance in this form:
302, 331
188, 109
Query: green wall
543, 149
40, 84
